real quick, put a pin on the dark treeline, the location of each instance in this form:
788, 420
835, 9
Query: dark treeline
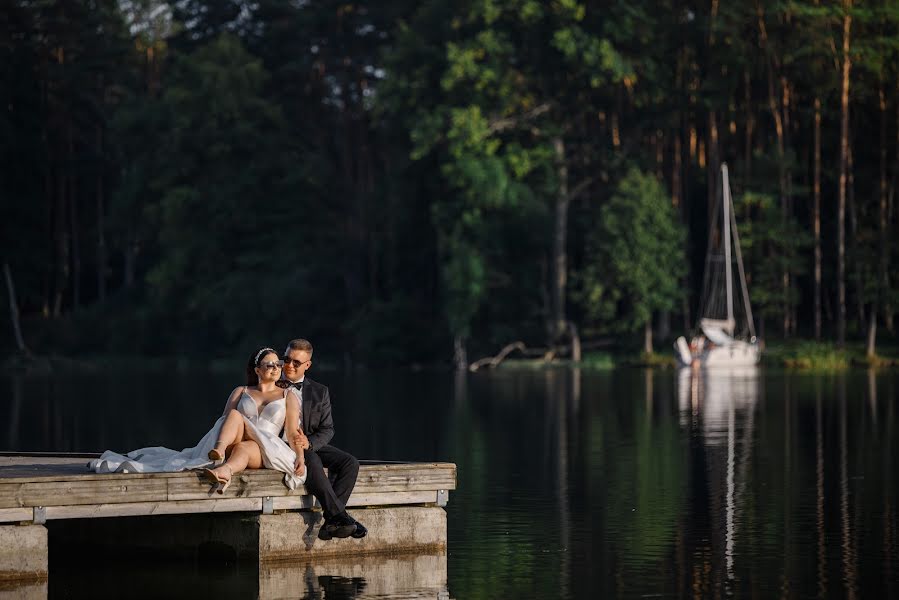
411, 181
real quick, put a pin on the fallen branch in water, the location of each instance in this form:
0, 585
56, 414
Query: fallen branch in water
493, 361
545, 354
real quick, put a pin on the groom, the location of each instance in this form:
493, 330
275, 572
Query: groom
333, 490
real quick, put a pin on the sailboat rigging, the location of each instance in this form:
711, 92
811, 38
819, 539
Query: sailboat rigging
719, 342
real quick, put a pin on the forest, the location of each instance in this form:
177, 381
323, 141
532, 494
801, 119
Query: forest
423, 182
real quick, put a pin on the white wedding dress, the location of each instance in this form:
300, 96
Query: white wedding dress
263, 428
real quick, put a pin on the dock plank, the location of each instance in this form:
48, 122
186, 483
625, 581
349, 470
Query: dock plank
67, 489
77, 491
142, 509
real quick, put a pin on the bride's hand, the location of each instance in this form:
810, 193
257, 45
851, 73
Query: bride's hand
299, 466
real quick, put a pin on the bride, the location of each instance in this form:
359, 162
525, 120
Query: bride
244, 437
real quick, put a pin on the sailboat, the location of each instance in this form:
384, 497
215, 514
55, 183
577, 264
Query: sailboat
719, 342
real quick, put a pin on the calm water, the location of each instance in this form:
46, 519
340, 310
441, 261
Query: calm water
571, 484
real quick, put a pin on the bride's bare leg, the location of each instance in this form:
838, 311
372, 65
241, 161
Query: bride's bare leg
244, 455
231, 433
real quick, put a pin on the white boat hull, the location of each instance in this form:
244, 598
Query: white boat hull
736, 353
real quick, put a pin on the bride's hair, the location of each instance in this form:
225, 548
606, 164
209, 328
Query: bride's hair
255, 358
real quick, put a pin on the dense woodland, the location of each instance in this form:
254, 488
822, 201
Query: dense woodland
425, 181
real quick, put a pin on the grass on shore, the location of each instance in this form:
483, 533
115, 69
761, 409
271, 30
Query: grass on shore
823, 356
796, 355
791, 354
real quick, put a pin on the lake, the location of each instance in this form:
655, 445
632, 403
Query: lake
572, 483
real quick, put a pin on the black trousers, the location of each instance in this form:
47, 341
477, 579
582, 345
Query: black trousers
333, 490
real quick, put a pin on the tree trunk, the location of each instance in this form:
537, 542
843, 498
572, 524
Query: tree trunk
782, 172
790, 283
844, 168
460, 355
130, 259
14, 310
676, 173
658, 144
559, 277
871, 338
884, 283
647, 337
853, 239
101, 222
888, 305
575, 342
47, 281
713, 172
750, 125
62, 245
75, 234
60, 232
816, 217
664, 326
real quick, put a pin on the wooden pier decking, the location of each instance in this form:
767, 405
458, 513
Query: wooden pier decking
400, 503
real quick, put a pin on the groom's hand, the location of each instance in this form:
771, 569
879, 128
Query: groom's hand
302, 441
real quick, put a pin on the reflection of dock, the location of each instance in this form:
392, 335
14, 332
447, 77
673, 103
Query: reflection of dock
355, 577
407, 576
280, 525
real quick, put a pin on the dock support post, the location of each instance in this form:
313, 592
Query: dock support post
23, 553
392, 530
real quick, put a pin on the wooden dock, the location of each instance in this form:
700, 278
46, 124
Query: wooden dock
400, 503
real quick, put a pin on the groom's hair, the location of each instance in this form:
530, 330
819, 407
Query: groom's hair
299, 344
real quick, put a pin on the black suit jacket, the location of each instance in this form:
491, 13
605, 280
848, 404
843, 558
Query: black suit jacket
316, 413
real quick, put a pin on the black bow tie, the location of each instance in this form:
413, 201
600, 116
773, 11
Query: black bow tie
283, 383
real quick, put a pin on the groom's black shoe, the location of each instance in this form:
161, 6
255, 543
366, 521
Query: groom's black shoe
360, 531
338, 526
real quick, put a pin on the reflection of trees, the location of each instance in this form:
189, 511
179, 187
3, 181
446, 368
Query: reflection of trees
632, 460
503, 519
819, 490
647, 503
757, 486
850, 576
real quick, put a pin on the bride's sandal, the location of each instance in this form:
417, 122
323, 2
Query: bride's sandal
219, 484
223, 484
217, 455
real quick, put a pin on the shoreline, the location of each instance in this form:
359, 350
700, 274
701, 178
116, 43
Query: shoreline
793, 355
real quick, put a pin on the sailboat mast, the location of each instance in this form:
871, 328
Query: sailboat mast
728, 271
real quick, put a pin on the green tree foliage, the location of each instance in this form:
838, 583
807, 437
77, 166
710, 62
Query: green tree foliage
771, 247
388, 178
518, 80
228, 173
637, 257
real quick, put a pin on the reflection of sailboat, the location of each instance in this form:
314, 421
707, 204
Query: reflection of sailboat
719, 344
719, 405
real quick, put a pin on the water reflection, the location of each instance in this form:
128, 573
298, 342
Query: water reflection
385, 577
23, 590
756, 473
709, 402
574, 484
422, 576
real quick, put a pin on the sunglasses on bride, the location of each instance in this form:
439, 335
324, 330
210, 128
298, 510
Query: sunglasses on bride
271, 365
